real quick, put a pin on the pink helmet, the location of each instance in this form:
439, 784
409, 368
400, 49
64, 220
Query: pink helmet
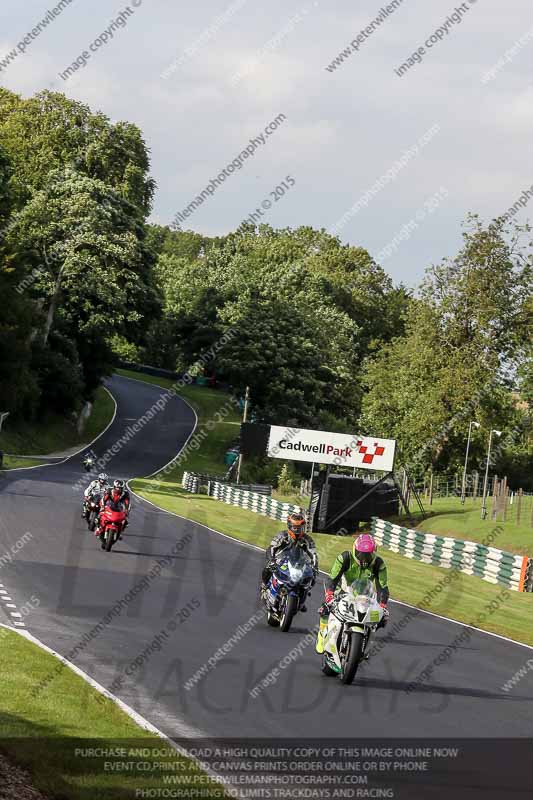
364, 548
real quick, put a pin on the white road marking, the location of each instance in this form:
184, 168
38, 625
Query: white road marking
160, 469
396, 602
85, 447
187, 731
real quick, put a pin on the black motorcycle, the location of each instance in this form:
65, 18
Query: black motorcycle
91, 509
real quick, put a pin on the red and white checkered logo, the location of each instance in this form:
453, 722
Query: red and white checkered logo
368, 456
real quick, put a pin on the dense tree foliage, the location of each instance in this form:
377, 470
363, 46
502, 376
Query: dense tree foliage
304, 311
76, 263
464, 348
315, 328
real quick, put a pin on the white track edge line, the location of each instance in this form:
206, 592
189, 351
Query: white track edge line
73, 455
141, 721
397, 602
127, 709
184, 400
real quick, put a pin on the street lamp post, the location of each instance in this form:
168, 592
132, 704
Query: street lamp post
244, 419
463, 485
485, 483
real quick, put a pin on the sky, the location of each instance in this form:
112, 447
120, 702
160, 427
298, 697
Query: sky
388, 158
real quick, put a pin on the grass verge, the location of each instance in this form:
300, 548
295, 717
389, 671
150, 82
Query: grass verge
206, 402
464, 600
55, 433
450, 518
42, 733
14, 462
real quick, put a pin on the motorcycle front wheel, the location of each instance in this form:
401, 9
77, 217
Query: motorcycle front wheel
290, 606
109, 540
351, 659
272, 621
326, 669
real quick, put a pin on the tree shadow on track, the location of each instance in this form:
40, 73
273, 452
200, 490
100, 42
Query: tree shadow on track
154, 555
416, 643
429, 688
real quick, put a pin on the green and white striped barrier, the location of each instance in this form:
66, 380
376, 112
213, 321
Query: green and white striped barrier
190, 482
472, 558
250, 501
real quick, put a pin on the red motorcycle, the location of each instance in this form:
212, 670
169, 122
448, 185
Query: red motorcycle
112, 523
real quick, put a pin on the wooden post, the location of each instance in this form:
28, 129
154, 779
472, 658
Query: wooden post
503, 499
519, 506
476, 486
495, 489
431, 486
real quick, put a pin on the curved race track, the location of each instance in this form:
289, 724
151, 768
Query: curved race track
77, 584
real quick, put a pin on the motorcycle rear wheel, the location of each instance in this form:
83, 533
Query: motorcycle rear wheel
353, 658
289, 610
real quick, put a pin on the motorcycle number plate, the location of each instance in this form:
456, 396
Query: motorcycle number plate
374, 616
346, 608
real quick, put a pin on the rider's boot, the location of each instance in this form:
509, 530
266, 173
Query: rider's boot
321, 634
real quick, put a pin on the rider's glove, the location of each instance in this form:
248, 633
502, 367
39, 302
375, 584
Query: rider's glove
328, 598
383, 605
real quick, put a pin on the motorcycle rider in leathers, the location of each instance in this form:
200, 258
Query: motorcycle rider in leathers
362, 562
294, 534
116, 494
99, 486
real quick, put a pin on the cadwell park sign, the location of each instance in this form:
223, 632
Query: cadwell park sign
340, 449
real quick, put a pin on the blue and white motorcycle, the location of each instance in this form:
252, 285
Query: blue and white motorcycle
288, 588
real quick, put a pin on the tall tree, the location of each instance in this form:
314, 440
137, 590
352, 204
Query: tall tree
303, 272
49, 131
18, 389
83, 244
464, 339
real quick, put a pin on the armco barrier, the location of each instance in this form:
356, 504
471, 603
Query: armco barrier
472, 558
250, 501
